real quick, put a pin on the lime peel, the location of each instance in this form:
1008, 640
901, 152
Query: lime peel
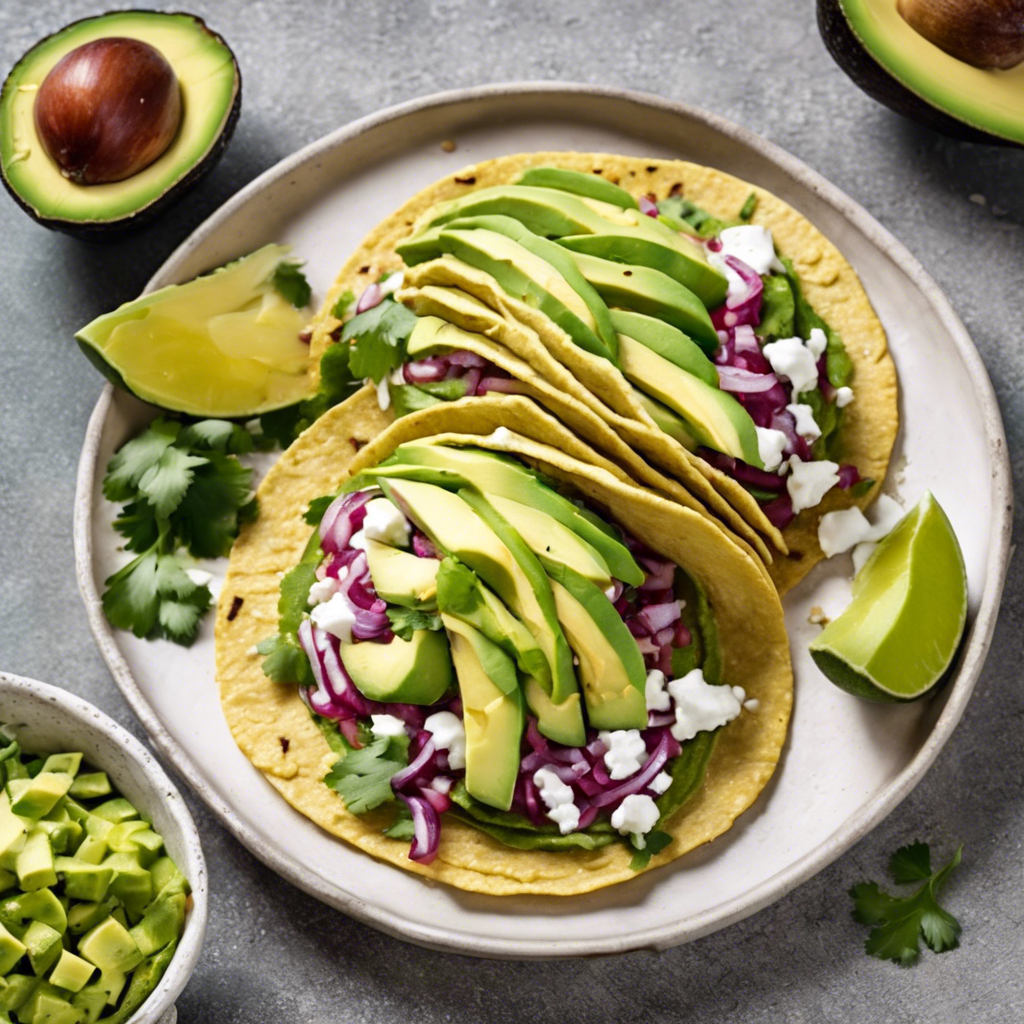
903, 626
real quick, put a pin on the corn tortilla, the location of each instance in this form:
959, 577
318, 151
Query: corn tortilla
262, 714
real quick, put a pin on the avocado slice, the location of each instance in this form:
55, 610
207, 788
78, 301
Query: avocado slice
895, 65
669, 342
550, 252
647, 242
667, 421
466, 526
649, 291
497, 475
400, 577
590, 185
716, 419
211, 86
547, 535
222, 345
414, 671
611, 668
530, 278
493, 715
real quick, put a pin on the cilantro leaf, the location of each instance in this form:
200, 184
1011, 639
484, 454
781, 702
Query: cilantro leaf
900, 922
683, 215
363, 777
406, 621
136, 458
218, 499
219, 435
346, 300
317, 507
284, 661
402, 827
378, 338
748, 207
911, 863
136, 596
165, 482
291, 283
654, 842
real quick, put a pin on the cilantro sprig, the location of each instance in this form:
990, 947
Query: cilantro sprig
898, 922
182, 490
363, 776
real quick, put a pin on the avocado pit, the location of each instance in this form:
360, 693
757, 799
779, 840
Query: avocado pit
983, 33
108, 109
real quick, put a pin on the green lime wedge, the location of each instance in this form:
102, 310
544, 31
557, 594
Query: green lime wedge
901, 630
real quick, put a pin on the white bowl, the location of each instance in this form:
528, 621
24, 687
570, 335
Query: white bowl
46, 719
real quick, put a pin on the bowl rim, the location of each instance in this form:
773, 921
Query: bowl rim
159, 1005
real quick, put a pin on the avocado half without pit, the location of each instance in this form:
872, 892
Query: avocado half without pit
108, 120
952, 65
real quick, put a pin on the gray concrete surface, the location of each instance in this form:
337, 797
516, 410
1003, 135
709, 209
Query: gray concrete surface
274, 954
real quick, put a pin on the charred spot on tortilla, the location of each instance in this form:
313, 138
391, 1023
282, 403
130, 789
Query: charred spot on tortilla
236, 607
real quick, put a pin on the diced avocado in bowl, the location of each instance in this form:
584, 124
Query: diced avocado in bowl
102, 883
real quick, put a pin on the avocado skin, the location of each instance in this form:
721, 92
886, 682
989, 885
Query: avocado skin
853, 57
112, 229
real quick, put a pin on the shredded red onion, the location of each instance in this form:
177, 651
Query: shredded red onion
426, 829
461, 357
373, 296
424, 371
504, 385
736, 380
413, 769
848, 476
647, 206
780, 511
652, 766
657, 617
742, 472
344, 516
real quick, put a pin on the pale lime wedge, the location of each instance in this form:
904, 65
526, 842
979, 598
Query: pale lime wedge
902, 628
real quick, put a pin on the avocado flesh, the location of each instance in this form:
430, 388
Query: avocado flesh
400, 577
611, 667
667, 421
496, 475
456, 524
561, 722
717, 419
554, 254
548, 536
211, 99
414, 671
669, 342
223, 345
900, 68
579, 184
492, 713
649, 291
526, 277
461, 594
647, 242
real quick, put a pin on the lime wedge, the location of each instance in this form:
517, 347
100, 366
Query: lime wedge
226, 344
902, 628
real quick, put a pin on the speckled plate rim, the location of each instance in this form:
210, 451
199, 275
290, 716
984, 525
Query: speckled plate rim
159, 1006
969, 663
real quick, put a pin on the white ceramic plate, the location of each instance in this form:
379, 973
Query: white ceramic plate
847, 764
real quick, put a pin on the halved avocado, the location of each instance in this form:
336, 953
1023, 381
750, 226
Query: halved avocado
895, 65
211, 92
226, 344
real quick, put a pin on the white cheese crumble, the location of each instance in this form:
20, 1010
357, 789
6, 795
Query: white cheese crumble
660, 783
701, 707
752, 244
752, 705
657, 697
636, 815
817, 343
809, 482
792, 359
392, 282
386, 725
386, 523
449, 734
383, 392
500, 437
770, 446
336, 617
558, 799
844, 396
737, 290
625, 754
806, 425
840, 531
358, 540
323, 590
